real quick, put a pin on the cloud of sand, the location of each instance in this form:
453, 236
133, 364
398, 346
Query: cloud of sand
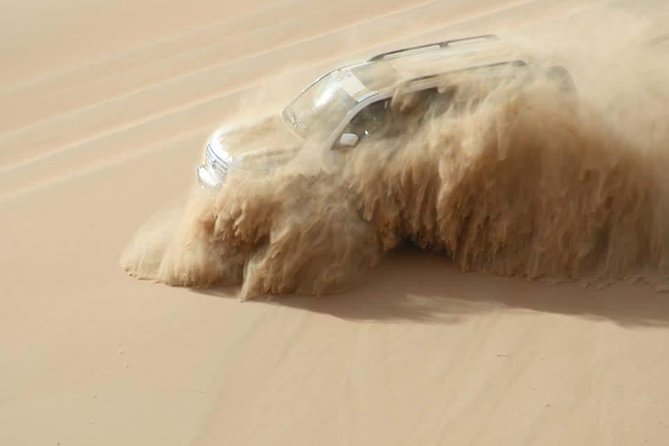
520, 181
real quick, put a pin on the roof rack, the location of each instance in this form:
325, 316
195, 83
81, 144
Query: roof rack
436, 45
513, 63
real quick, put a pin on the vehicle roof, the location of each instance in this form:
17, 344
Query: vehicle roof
382, 73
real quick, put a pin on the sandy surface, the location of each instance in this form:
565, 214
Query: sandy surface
105, 106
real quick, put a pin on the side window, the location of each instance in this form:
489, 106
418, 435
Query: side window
421, 106
441, 101
412, 107
393, 116
371, 120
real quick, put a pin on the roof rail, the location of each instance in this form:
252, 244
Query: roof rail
440, 45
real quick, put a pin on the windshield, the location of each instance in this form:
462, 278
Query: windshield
325, 103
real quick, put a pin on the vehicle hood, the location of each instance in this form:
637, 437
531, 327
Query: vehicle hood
261, 144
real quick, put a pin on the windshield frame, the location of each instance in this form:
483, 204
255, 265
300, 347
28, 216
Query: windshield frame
338, 85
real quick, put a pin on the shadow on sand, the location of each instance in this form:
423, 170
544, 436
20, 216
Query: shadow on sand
411, 285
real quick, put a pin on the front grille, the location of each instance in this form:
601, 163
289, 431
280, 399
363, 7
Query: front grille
216, 163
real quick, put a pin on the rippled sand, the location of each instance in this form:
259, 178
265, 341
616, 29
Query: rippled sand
104, 111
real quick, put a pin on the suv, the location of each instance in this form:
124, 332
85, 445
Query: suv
353, 103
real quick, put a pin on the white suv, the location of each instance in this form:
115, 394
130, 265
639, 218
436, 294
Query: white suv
352, 103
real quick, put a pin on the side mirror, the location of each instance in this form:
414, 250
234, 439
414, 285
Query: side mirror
348, 140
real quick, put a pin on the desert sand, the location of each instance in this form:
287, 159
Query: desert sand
105, 109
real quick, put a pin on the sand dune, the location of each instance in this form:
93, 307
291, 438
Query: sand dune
105, 107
